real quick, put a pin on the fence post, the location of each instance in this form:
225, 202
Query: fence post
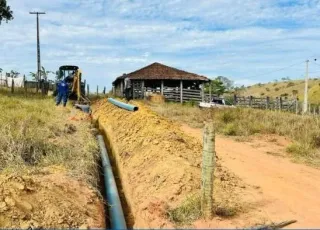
97, 90
309, 108
267, 102
181, 91
250, 101
104, 90
12, 85
25, 85
235, 99
208, 165
88, 90
210, 96
202, 92
297, 106
280, 103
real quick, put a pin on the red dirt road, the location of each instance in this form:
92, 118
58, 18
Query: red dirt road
284, 190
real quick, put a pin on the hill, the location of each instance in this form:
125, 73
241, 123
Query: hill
288, 89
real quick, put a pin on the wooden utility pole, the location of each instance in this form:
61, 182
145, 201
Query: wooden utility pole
38, 47
305, 103
208, 165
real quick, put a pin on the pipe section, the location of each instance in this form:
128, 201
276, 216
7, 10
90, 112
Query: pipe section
116, 215
123, 105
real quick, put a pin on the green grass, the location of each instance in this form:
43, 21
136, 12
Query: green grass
34, 134
304, 131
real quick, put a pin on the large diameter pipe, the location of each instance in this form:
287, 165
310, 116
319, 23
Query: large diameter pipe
116, 215
123, 105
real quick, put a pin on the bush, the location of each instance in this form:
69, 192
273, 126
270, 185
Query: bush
276, 89
230, 130
267, 89
262, 94
290, 84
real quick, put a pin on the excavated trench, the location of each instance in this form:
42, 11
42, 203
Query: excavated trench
129, 218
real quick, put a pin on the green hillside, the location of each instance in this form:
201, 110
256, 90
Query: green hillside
285, 89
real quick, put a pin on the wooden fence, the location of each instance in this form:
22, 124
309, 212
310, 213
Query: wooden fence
278, 103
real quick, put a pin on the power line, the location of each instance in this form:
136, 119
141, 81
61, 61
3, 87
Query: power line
277, 70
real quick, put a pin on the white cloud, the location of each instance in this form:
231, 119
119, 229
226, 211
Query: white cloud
233, 38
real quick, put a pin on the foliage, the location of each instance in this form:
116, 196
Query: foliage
5, 11
267, 89
217, 87
45, 73
277, 89
14, 73
290, 84
227, 83
33, 76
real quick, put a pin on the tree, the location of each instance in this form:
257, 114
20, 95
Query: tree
14, 73
5, 11
217, 87
228, 84
33, 76
45, 73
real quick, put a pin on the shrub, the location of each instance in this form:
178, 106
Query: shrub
290, 84
262, 94
267, 89
276, 89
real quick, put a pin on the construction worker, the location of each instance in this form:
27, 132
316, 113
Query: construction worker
63, 93
127, 87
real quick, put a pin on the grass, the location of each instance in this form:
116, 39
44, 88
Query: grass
286, 88
304, 131
35, 134
190, 210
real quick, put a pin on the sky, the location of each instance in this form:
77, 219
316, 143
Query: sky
249, 41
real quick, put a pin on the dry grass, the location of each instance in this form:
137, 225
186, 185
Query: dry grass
36, 134
304, 131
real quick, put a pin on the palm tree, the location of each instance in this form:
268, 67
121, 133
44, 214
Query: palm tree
34, 76
14, 73
45, 73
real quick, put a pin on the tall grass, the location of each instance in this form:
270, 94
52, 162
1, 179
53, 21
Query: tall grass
34, 133
304, 131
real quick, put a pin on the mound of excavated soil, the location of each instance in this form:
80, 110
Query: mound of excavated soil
48, 200
159, 164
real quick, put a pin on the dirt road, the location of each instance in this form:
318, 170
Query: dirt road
284, 190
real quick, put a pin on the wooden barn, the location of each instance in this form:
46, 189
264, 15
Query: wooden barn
174, 84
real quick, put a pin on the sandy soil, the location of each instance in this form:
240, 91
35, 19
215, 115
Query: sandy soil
48, 199
279, 189
159, 165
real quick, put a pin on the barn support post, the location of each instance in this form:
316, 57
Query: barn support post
121, 88
162, 87
280, 103
181, 91
202, 91
88, 90
113, 90
297, 106
142, 89
208, 166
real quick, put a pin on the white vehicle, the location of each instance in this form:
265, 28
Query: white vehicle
215, 103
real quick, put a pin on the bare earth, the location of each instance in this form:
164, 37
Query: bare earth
278, 189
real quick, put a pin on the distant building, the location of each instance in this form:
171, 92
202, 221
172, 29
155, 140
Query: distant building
174, 84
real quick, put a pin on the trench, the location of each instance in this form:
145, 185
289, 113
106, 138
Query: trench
129, 217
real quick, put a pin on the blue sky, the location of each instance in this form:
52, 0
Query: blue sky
246, 40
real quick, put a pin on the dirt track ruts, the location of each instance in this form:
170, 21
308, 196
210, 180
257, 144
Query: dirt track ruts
287, 190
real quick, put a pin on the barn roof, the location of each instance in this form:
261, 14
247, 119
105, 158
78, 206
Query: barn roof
157, 71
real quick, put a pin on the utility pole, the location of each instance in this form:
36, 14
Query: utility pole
38, 48
305, 103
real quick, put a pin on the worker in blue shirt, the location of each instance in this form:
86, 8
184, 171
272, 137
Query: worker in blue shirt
63, 93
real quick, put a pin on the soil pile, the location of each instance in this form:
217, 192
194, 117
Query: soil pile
159, 165
47, 200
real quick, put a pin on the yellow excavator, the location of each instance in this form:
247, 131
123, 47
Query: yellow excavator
73, 76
